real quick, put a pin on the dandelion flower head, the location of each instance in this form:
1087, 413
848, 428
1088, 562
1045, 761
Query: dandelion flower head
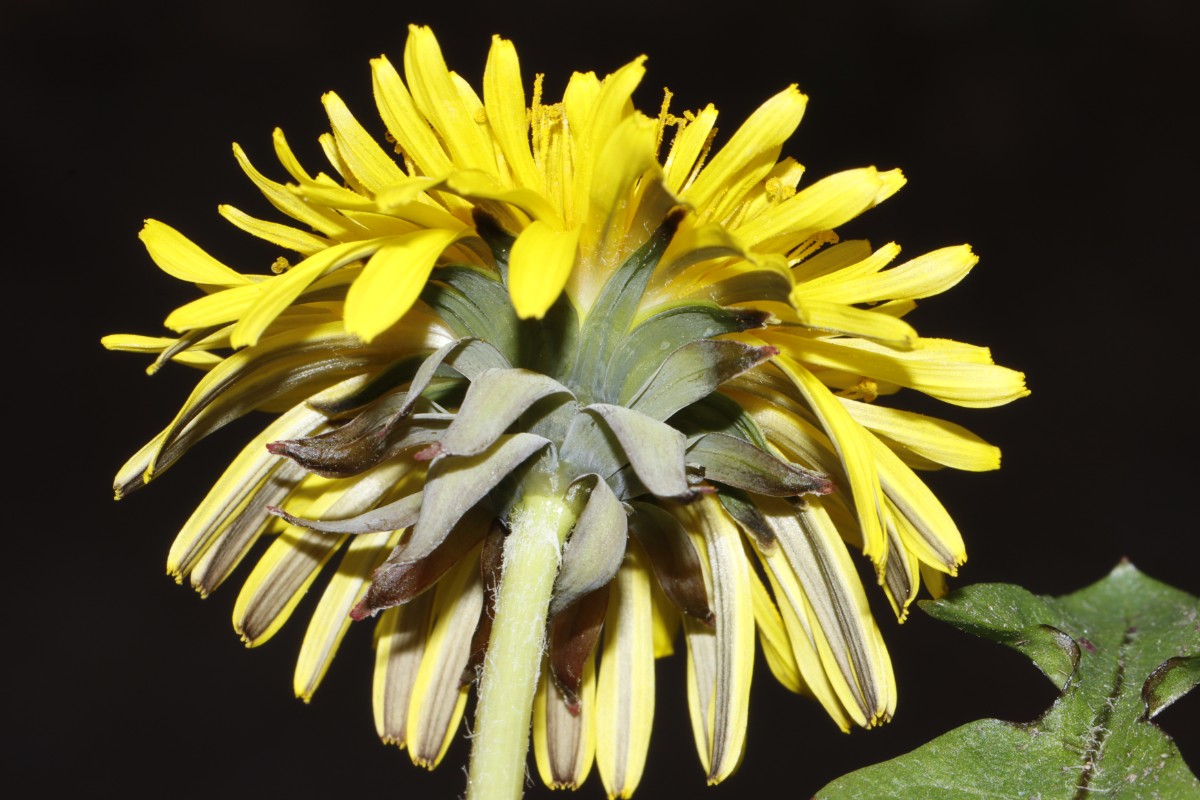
552, 389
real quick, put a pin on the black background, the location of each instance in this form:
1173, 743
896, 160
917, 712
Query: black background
1056, 137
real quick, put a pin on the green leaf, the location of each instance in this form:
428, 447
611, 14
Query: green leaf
1121, 649
1174, 678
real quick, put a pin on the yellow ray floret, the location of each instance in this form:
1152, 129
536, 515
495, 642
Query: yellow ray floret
625, 688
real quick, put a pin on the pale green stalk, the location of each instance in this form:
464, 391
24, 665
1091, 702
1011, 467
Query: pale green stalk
532, 552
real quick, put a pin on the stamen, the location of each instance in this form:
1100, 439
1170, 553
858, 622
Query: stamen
811, 245
778, 191
665, 118
537, 132
387, 137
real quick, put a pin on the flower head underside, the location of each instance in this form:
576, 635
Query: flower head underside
560, 386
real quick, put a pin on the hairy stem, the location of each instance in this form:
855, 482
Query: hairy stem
532, 553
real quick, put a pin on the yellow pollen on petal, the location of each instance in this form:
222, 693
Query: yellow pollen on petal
865, 389
280, 265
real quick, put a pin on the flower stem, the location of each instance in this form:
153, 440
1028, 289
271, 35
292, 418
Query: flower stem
532, 552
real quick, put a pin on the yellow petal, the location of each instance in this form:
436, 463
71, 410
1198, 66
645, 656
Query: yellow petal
825, 205
438, 697
370, 165
279, 581
935, 439
337, 198
779, 185
808, 543
956, 373
625, 689
285, 236
235, 537
217, 308
848, 320
935, 581
392, 281
177, 256
930, 532
241, 481
282, 576
800, 440
777, 648
802, 633
346, 179
331, 618
438, 99
401, 633
701, 682
854, 449
278, 293
287, 158
564, 745
249, 377
406, 125
579, 98
836, 258
666, 622
626, 155
902, 577
924, 276
476, 185
762, 134
695, 243
539, 264
608, 110
327, 222
688, 150
134, 343
690, 268
504, 98
727, 710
